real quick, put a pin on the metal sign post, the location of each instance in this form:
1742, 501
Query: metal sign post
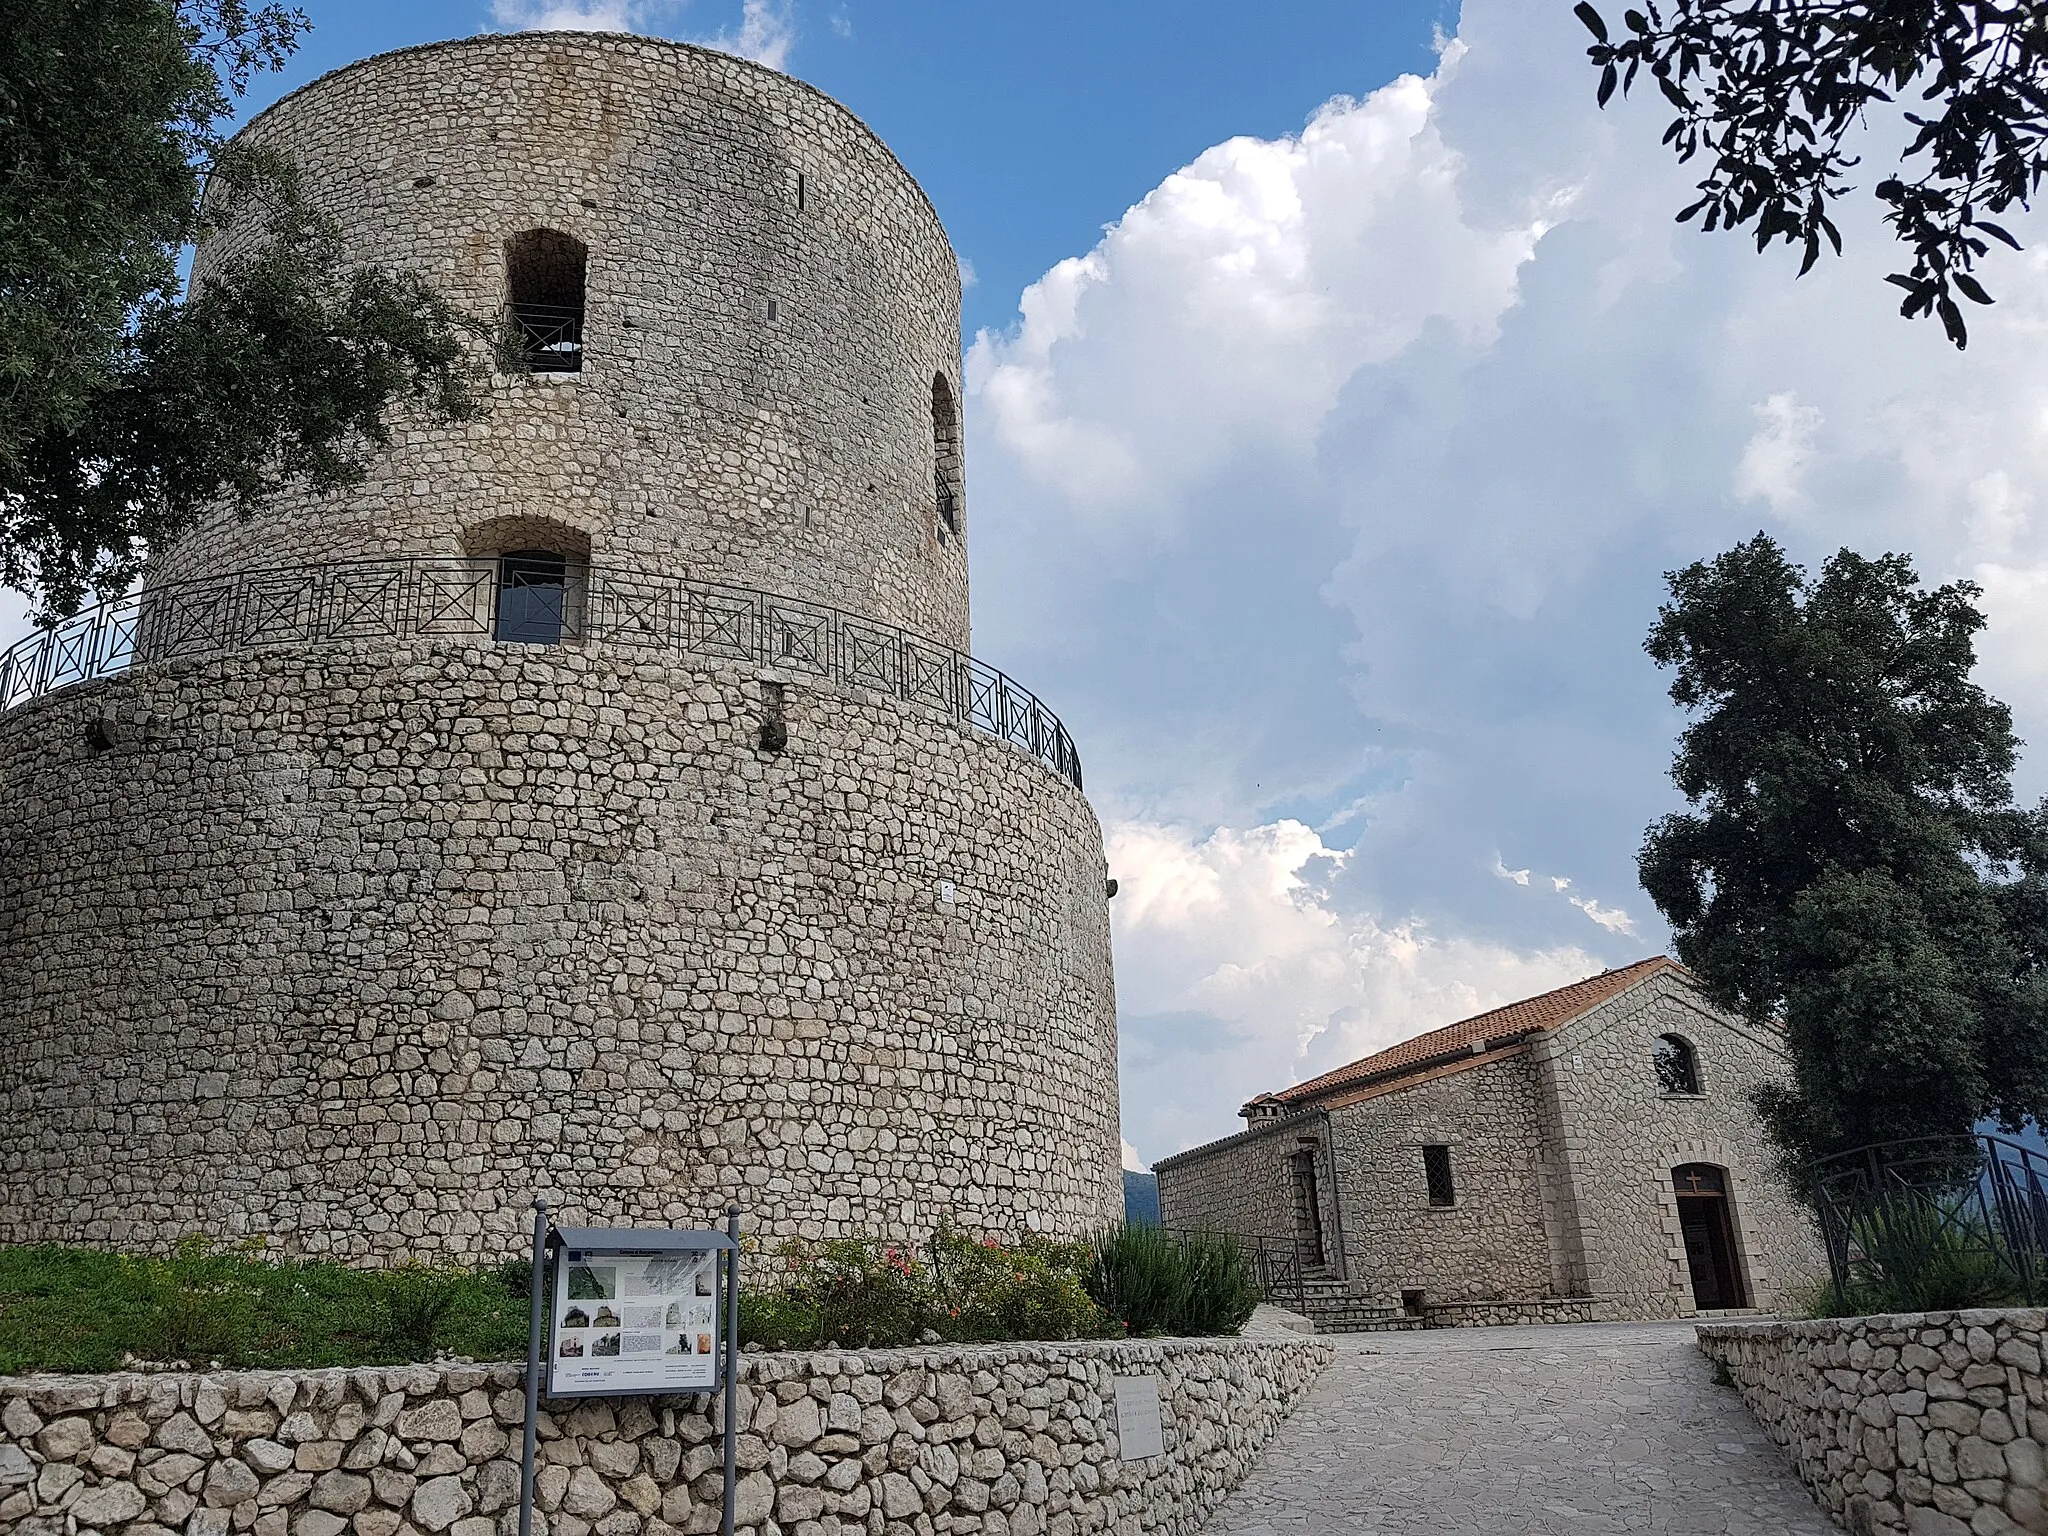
732, 1358
533, 1336
631, 1312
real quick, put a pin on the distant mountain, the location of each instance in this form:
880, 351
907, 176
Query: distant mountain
1141, 1198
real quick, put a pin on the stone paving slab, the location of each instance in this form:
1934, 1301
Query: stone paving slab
1586, 1429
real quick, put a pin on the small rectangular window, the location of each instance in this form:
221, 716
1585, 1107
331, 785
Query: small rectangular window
801, 190
1436, 1169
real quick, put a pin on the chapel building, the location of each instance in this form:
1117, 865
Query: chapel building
1591, 1154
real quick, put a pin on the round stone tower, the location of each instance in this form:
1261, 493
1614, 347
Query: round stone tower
599, 801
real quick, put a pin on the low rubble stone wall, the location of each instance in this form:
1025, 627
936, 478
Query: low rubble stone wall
997, 1440
1932, 1424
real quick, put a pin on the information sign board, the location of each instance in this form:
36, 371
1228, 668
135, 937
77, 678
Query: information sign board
635, 1321
1139, 1434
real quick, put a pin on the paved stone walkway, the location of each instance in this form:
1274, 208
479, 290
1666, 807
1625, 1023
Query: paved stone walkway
1577, 1429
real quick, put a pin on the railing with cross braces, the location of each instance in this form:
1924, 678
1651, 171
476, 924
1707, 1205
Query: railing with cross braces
424, 597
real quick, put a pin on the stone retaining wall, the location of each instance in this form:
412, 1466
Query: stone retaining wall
1000, 1440
1510, 1314
1932, 1424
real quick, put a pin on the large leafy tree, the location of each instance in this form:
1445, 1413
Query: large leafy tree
1769, 92
1853, 862
128, 406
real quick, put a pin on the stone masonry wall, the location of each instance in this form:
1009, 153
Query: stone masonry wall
990, 1440
360, 948
1930, 1424
769, 299
1243, 1185
1489, 1244
1620, 1136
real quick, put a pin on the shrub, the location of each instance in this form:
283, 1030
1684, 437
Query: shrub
954, 1287
1917, 1253
1185, 1284
417, 1301
1030, 1291
202, 1303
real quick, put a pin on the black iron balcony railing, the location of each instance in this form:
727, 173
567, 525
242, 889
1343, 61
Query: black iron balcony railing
550, 336
425, 598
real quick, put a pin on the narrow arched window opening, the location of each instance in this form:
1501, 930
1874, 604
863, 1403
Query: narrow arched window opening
1678, 1067
946, 456
544, 280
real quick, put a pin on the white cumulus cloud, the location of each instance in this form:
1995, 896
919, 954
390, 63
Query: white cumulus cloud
766, 33
1774, 461
1221, 316
1239, 972
576, 15
1334, 488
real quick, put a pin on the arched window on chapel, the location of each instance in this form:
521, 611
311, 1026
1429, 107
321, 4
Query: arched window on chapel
1678, 1066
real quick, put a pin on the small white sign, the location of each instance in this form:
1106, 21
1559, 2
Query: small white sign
1138, 1431
634, 1322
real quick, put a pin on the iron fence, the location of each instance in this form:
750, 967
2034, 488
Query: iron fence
1281, 1274
1934, 1222
550, 336
422, 597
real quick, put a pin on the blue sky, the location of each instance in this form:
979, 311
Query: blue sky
1339, 389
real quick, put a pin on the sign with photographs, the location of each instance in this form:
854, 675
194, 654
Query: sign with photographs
634, 1322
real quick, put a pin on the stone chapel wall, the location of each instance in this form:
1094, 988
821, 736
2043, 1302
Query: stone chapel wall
1490, 1243
1623, 1136
1243, 1184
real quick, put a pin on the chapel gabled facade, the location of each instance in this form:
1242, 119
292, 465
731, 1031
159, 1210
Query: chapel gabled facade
1589, 1154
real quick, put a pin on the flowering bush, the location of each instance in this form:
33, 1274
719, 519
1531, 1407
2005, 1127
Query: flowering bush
954, 1287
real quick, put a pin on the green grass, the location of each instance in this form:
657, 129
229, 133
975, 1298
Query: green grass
78, 1309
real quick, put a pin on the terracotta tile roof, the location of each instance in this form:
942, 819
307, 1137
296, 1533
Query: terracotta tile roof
1531, 1015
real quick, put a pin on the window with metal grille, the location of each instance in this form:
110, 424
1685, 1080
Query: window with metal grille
534, 593
544, 274
1436, 1172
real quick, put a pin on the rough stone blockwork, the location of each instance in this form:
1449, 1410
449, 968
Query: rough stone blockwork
789, 448
1000, 1440
1933, 1424
358, 949
356, 944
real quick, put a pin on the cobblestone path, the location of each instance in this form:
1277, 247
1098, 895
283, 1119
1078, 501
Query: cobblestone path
1577, 1429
